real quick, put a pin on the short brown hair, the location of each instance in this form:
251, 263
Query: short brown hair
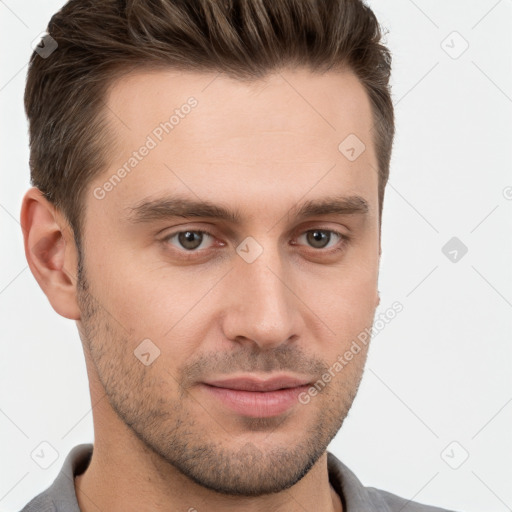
98, 40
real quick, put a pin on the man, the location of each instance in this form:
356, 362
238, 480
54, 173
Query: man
208, 188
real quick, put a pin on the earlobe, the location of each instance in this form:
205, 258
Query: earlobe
50, 251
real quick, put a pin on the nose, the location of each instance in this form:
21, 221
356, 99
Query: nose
263, 308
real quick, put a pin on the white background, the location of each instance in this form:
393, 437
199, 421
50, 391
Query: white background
438, 373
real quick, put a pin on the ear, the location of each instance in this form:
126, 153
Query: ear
51, 252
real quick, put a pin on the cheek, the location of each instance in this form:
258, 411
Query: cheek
347, 309
167, 306
346, 292
345, 300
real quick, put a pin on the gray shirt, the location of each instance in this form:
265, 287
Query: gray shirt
61, 497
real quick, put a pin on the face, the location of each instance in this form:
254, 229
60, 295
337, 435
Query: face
271, 271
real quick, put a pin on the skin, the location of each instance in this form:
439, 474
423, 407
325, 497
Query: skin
161, 441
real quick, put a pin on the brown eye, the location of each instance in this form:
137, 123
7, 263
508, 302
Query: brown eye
318, 238
321, 238
190, 240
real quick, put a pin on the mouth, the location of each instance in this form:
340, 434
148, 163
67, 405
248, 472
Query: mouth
257, 398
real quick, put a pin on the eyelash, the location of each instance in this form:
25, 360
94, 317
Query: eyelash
195, 253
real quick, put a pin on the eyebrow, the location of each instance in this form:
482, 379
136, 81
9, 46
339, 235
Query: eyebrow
164, 208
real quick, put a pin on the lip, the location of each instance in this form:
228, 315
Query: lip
257, 398
251, 383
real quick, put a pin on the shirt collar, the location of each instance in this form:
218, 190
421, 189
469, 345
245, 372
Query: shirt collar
354, 495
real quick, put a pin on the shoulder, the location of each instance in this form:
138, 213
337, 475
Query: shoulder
41, 503
387, 501
60, 496
358, 497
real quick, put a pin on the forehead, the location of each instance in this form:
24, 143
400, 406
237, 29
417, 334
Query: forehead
326, 105
209, 133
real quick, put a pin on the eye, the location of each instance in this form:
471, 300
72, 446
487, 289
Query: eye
320, 238
190, 240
